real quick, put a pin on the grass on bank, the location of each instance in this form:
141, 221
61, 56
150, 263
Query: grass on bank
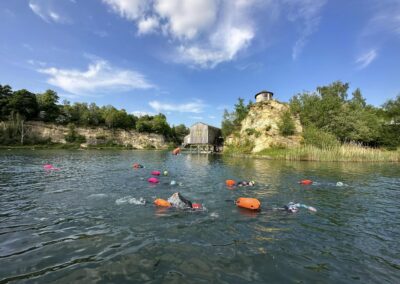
342, 153
339, 153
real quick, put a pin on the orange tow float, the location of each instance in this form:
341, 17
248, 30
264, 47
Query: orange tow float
230, 182
248, 203
162, 203
306, 182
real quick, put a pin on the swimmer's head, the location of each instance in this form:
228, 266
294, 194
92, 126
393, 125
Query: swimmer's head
291, 207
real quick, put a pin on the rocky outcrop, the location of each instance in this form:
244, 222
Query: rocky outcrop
98, 136
260, 127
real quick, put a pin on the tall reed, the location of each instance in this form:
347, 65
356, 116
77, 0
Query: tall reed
344, 153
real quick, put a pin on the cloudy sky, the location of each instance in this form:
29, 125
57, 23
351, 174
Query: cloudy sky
190, 59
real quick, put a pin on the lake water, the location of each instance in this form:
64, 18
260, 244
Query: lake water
83, 224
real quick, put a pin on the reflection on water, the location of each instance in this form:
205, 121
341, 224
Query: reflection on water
94, 221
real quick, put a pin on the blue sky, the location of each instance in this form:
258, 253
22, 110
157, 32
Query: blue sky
190, 59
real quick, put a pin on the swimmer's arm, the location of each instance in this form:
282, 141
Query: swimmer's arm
313, 209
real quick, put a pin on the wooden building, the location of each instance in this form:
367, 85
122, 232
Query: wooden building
203, 138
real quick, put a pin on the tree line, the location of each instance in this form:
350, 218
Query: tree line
19, 106
330, 117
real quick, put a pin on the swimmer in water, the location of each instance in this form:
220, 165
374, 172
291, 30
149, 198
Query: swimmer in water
245, 183
292, 207
137, 166
176, 200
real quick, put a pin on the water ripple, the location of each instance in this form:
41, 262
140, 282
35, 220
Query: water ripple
80, 224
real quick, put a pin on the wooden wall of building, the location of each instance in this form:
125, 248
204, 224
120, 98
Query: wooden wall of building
201, 133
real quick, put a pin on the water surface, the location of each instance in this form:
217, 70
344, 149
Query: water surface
86, 223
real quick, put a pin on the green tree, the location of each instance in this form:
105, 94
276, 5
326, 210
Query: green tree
24, 103
160, 125
286, 124
227, 125
5, 95
241, 111
358, 101
330, 112
73, 136
392, 110
232, 121
179, 132
337, 89
110, 115
47, 103
143, 125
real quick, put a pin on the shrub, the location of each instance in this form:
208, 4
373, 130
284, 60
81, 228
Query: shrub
252, 131
244, 147
320, 139
73, 136
100, 137
149, 147
286, 125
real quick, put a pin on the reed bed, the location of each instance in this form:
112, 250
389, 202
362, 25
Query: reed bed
342, 153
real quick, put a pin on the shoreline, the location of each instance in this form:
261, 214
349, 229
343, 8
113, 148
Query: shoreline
270, 158
342, 153
345, 153
73, 147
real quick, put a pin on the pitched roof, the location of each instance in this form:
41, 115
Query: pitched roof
204, 124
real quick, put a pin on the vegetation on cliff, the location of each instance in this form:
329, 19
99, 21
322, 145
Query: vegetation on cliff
332, 123
19, 106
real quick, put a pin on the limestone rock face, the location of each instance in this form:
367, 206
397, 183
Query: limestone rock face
261, 127
98, 135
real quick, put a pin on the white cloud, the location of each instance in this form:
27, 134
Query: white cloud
366, 58
186, 19
36, 63
385, 19
383, 25
38, 11
129, 9
140, 113
205, 33
54, 16
148, 25
100, 77
45, 13
224, 46
196, 117
196, 106
306, 14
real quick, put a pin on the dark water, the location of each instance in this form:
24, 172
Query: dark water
66, 226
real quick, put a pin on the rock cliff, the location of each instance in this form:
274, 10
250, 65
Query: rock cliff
98, 136
260, 127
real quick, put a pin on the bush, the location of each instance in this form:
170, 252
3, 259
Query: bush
286, 125
149, 147
100, 137
320, 139
73, 136
244, 147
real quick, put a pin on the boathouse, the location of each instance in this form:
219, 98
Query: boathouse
203, 138
263, 96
